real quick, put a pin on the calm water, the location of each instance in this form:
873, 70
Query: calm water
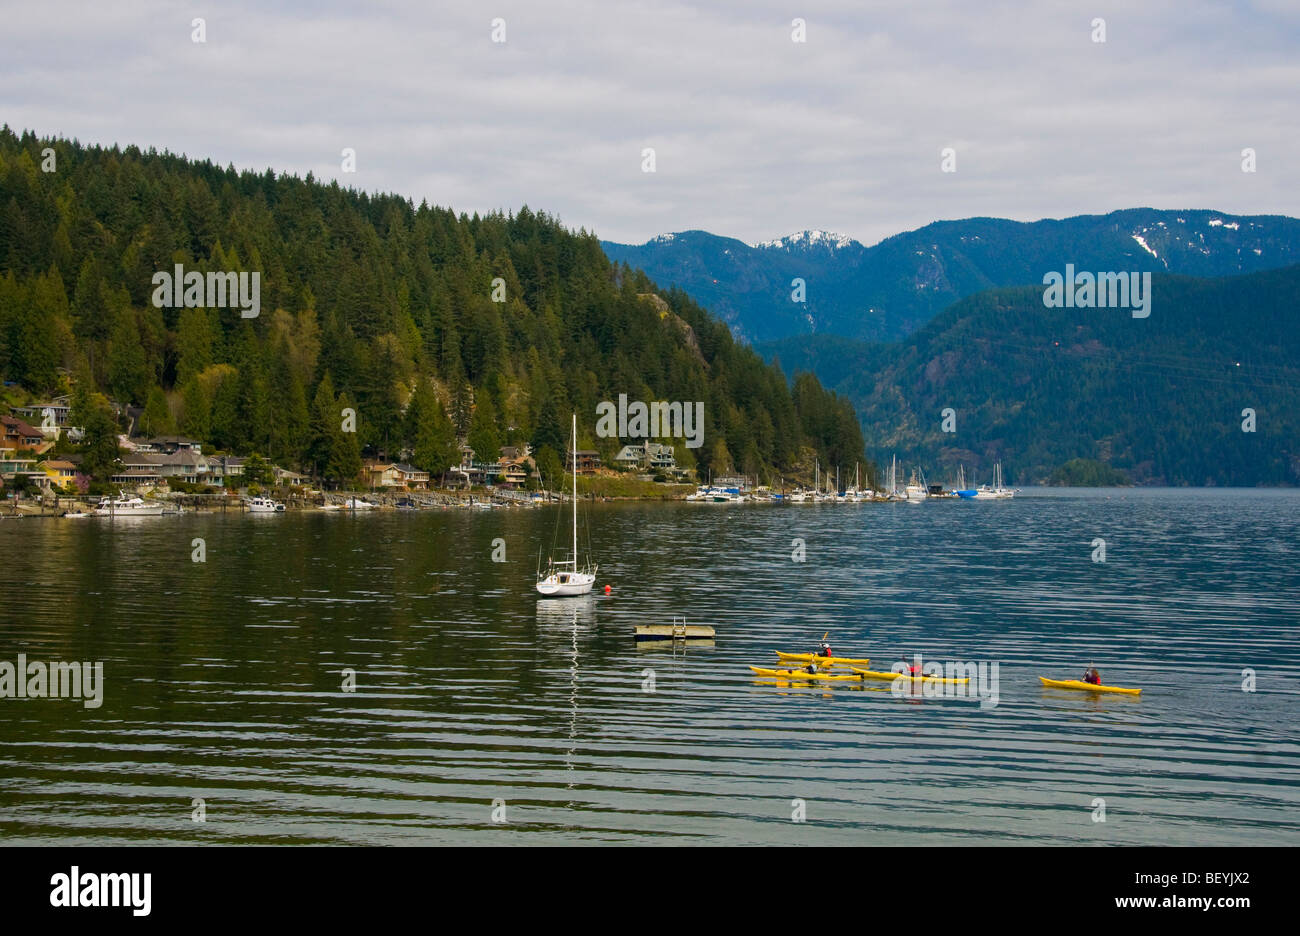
223, 679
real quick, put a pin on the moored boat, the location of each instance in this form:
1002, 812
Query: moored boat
123, 506
564, 578
916, 491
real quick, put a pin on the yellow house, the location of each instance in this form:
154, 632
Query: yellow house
62, 473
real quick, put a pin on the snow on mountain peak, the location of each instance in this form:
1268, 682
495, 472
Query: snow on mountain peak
808, 239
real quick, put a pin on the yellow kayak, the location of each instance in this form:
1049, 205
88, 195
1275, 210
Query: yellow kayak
820, 660
943, 680
1086, 687
802, 674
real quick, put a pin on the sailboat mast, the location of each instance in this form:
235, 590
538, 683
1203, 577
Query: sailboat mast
575, 492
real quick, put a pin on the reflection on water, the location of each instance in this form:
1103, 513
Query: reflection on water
223, 679
579, 610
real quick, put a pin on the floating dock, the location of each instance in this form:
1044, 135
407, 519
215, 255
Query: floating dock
675, 631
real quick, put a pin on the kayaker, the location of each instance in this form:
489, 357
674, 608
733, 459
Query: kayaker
825, 650
912, 669
1092, 676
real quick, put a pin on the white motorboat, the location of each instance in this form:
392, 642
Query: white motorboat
916, 491
123, 506
264, 505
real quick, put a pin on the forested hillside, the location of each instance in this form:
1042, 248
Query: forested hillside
369, 302
1049, 392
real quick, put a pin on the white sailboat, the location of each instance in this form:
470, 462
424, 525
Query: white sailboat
564, 579
891, 493
997, 491
1000, 490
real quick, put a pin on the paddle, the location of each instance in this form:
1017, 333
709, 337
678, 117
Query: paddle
823, 640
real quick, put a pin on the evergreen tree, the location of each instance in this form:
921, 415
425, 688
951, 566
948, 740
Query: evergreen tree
128, 373
484, 438
196, 419
345, 454
549, 434
100, 453
228, 429
435, 445
550, 467
325, 422
194, 344
156, 419
257, 470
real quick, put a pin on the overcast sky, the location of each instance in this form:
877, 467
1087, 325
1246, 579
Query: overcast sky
755, 136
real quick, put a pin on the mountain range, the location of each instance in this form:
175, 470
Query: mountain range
886, 291
951, 318
1205, 391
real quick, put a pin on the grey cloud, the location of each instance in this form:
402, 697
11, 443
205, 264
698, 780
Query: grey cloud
755, 136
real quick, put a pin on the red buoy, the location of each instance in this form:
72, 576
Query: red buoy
608, 589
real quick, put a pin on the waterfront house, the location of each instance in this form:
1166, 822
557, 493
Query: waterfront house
514, 466
11, 466
587, 461
651, 456
168, 445
21, 435
140, 467
137, 469
221, 467
410, 477
53, 414
62, 473
397, 475
187, 465
283, 476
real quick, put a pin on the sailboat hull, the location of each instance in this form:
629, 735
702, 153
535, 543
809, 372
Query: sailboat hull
566, 584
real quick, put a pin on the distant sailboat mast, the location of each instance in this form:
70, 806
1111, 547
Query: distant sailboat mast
575, 492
